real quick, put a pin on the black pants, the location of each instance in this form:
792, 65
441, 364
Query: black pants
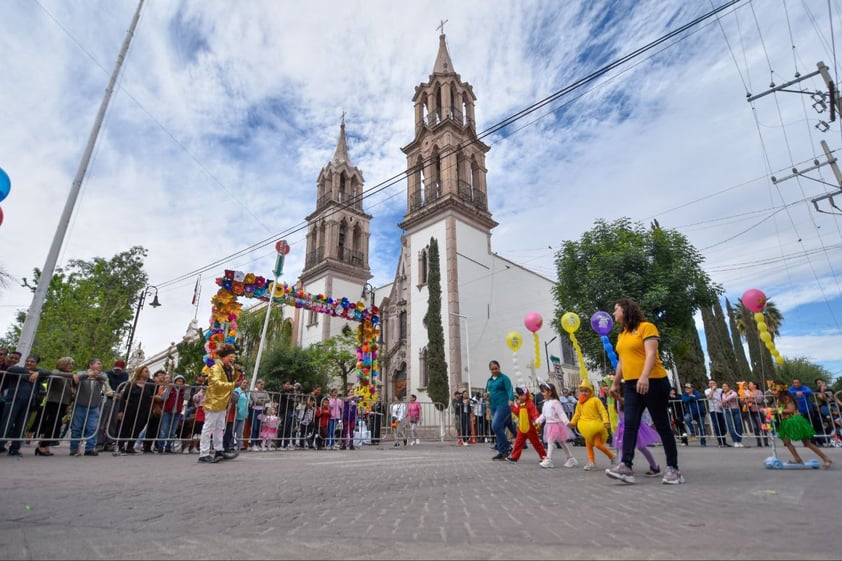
656, 400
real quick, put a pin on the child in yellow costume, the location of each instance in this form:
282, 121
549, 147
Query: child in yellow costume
591, 420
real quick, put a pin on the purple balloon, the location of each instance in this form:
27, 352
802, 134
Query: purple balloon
602, 322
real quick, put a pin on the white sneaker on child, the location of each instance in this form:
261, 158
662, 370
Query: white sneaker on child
546, 463
571, 462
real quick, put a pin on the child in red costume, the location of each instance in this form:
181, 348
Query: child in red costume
526, 412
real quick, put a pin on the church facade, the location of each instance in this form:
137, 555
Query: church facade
484, 296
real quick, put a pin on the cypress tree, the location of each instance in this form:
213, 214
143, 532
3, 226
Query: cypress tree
437, 381
737, 344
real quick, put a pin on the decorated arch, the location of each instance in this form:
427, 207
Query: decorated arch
226, 308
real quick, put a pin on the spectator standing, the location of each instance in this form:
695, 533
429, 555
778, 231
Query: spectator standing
349, 421
242, 412
731, 407
135, 404
336, 407
259, 398
60, 392
694, 411
22, 387
173, 396
117, 376
375, 416
85, 420
717, 413
398, 411
754, 402
413, 415
323, 423
480, 411
269, 423
677, 416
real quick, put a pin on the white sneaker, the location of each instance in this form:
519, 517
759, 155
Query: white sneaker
589, 467
571, 462
417, 441
621, 472
546, 463
464, 443
672, 477
412, 443
738, 445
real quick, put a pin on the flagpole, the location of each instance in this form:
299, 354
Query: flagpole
33, 316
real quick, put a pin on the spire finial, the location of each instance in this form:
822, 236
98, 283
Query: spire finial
441, 26
343, 118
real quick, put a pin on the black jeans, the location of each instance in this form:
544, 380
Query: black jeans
657, 401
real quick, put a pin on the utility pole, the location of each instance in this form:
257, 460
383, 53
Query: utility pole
835, 104
33, 316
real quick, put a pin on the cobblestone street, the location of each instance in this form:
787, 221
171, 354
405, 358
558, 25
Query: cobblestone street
434, 501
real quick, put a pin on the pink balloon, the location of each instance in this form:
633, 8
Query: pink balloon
754, 300
1, 216
533, 321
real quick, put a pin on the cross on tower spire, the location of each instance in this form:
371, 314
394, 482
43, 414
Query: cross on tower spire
441, 27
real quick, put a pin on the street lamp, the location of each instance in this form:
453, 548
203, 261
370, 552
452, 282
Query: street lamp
547, 352
148, 289
467, 347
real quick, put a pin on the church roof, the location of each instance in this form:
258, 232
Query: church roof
443, 63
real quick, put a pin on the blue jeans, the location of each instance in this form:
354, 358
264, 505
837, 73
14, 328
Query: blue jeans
84, 419
166, 434
700, 422
239, 425
500, 418
331, 432
717, 419
656, 400
735, 424
255, 426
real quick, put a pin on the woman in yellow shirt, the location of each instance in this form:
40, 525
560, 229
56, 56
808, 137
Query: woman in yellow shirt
644, 386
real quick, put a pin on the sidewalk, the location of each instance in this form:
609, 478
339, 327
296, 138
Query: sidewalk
434, 501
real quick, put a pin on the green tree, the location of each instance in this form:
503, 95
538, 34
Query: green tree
737, 345
657, 267
290, 362
437, 379
723, 362
88, 309
802, 369
336, 357
190, 354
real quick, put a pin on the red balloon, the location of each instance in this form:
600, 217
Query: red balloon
1, 216
754, 300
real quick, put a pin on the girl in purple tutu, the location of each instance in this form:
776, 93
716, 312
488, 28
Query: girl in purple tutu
555, 427
646, 435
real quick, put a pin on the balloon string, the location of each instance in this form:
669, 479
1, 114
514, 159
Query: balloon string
582, 371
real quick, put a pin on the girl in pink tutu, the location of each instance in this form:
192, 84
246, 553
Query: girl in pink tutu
646, 435
555, 428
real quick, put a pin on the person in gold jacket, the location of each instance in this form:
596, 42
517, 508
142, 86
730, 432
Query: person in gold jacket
591, 420
221, 382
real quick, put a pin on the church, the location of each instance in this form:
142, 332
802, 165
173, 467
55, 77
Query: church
484, 296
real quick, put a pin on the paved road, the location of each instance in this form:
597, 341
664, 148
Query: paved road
434, 501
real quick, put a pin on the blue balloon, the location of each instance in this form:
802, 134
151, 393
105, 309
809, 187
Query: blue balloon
5, 185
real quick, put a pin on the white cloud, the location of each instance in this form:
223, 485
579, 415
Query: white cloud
224, 117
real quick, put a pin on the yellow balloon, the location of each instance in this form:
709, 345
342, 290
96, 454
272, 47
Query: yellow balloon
765, 336
570, 322
514, 340
762, 326
758, 317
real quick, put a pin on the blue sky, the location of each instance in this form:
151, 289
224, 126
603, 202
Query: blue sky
225, 114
